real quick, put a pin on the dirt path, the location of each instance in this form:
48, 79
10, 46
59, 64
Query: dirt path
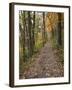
45, 64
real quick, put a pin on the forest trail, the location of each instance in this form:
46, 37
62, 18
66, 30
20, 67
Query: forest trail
45, 64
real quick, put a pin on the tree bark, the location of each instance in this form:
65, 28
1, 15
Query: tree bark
59, 29
30, 35
44, 38
23, 36
33, 30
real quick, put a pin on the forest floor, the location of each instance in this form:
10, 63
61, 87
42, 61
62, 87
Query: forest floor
46, 63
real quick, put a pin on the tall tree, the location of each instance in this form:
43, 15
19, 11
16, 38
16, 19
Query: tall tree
33, 31
59, 29
30, 34
23, 34
44, 37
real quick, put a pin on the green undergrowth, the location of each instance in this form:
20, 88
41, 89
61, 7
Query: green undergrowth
24, 65
59, 51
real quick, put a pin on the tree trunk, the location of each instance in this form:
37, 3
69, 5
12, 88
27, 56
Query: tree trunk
59, 29
44, 38
33, 30
23, 36
30, 35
